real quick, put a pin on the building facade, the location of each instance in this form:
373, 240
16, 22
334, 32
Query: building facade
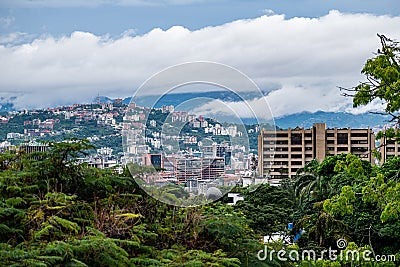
32, 147
155, 160
389, 147
199, 169
281, 153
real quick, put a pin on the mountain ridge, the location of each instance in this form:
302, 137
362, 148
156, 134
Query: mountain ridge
304, 119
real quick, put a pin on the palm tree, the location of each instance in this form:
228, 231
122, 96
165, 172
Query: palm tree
324, 228
308, 185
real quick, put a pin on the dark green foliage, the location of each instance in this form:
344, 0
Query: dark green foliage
269, 209
55, 212
354, 207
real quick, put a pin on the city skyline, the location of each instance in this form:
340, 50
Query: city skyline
199, 133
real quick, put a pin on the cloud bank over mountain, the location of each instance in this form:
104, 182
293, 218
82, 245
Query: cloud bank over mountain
298, 61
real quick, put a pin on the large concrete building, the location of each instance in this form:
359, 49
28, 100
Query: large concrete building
32, 147
388, 147
199, 169
155, 160
281, 153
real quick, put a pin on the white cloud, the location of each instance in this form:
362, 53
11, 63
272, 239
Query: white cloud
15, 38
268, 12
286, 100
375, 106
129, 33
307, 57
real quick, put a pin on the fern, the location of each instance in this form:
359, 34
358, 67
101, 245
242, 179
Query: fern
15, 202
31, 263
70, 226
13, 188
4, 229
78, 263
14, 212
145, 262
128, 216
44, 231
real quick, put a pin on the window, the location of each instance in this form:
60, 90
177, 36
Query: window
280, 163
282, 170
356, 142
296, 149
359, 134
282, 135
296, 139
358, 149
281, 142
342, 138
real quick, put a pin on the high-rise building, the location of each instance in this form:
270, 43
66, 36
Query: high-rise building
218, 151
188, 169
281, 153
155, 160
196, 169
389, 147
212, 168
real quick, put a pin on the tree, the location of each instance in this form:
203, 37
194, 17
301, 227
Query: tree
368, 202
269, 209
226, 229
383, 79
310, 186
57, 212
323, 228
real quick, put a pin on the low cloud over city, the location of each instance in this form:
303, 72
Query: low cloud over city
304, 58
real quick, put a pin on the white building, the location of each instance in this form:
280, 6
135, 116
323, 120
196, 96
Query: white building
14, 135
233, 198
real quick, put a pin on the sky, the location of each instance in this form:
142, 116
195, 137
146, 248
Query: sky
55, 52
